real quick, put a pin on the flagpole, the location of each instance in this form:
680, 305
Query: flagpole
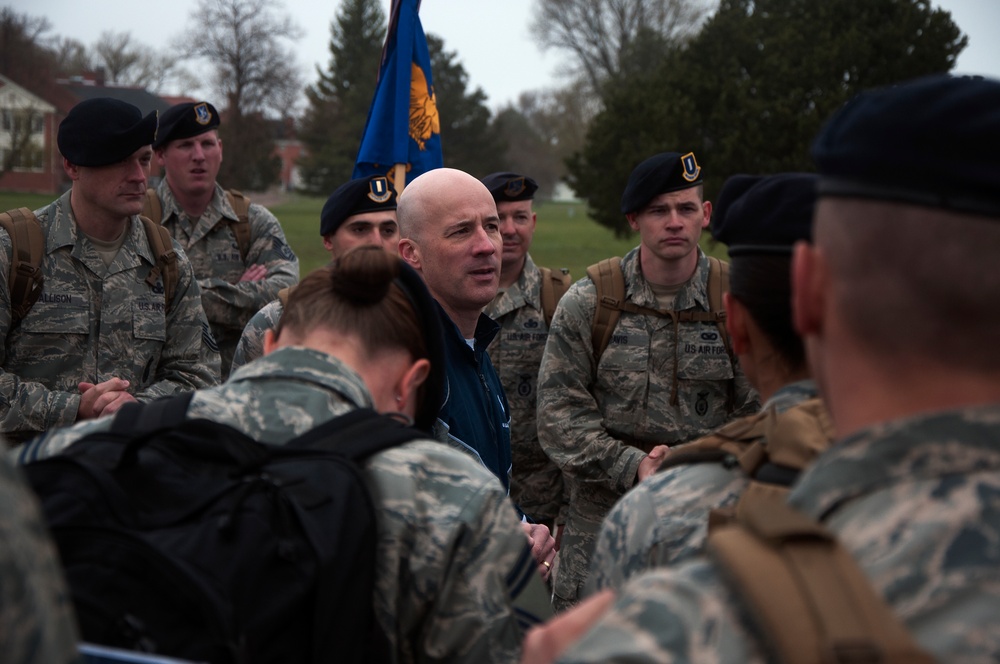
399, 178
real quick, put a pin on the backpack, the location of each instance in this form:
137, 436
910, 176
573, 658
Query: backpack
804, 591
24, 282
610, 283
153, 209
555, 283
770, 449
186, 538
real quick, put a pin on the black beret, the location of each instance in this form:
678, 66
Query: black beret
764, 214
367, 194
510, 186
413, 285
662, 173
102, 131
930, 142
185, 121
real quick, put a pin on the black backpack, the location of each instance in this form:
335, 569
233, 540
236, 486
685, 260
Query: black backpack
187, 538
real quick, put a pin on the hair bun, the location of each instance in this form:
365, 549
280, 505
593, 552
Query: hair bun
363, 275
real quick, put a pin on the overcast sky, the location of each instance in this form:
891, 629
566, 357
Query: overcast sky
492, 38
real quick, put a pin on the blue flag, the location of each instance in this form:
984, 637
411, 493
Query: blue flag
403, 125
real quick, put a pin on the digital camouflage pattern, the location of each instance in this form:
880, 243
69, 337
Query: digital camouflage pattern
598, 421
251, 344
536, 483
456, 580
36, 616
914, 501
212, 249
664, 520
92, 323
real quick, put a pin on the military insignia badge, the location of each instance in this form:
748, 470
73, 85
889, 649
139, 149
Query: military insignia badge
201, 114
378, 189
691, 168
515, 187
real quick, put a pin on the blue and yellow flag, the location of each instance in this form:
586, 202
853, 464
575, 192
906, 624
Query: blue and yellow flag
403, 125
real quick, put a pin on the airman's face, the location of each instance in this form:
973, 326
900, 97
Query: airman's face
377, 229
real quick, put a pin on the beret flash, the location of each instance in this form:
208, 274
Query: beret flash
510, 186
186, 120
367, 194
660, 174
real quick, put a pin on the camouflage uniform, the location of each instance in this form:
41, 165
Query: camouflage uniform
598, 422
456, 581
92, 323
914, 501
36, 617
211, 246
536, 483
664, 520
251, 344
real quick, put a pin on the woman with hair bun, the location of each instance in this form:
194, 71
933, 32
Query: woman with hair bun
455, 580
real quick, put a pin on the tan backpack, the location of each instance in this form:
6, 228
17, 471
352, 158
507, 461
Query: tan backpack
153, 209
610, 283
555, 283
24, 282
806, 593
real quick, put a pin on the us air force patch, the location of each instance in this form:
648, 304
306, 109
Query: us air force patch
379, 189
201, 114
514, 188
691, 168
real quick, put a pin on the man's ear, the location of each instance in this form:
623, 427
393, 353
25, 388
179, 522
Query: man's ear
706, 210
409, 251
270, 341
736, 324
809, 281
632, 223
72, 170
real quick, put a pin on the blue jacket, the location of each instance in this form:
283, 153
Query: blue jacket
475, 406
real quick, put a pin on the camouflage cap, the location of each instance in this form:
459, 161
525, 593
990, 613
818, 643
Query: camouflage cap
186, 120
367, 194
757, 214
510, 186
929, 142
103, 131
660, 174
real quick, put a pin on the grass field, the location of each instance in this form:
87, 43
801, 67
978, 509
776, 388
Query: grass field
565, 235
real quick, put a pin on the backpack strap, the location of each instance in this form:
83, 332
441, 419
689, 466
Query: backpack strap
555, 283
24, 282
135, 417
283, 295
358, 434
152, 209
166, 260
809, 597
241, 228
610, 283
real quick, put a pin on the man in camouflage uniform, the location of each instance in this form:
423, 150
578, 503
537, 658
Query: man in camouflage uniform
607, 421
358, 213
536, 483
896, 301
36, 617
454, 577
664, 520
101, 333
198, 214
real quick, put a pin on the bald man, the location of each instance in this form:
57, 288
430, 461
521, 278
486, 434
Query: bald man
450, 233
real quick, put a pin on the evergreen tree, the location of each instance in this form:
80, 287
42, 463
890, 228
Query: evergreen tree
338, 102
752, 89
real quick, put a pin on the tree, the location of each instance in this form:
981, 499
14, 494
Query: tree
129, 64
338, 102
750, 92
254, 74
600, 32
469, 139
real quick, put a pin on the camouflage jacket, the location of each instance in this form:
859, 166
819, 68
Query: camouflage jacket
36, 617
914, 501
92, 323
211, 246
536, 483
598, 420
455, 577
251, 344
664, 520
